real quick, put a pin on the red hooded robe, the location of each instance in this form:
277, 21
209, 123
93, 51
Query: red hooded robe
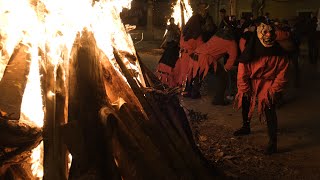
209, 54
183, 64
261, 79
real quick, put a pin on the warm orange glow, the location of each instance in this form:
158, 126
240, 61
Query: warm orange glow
51, 26
187, 11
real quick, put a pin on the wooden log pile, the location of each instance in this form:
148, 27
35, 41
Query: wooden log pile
17, 140
118, 129
17, 137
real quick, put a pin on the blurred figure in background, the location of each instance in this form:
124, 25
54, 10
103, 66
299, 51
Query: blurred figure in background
191, 38
170, 55
209, 55
313, 42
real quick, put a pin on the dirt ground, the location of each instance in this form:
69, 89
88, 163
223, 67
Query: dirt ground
242, 157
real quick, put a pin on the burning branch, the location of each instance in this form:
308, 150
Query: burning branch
14, 81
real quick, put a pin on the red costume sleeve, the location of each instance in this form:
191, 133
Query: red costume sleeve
242, 44
243, 78
216, 47
232, 50
282, 35
281, 79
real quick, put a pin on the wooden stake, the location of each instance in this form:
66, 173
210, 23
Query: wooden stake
13, 83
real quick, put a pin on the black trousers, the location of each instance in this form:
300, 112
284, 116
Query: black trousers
313, 46
271, 117
222, 79
193, 87
295, 63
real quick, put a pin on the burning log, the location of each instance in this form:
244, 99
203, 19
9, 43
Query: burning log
17, 139
117, 130
182, 8
87, 95
55, 153
13, 83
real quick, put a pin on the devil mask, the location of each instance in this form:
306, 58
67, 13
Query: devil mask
266, 34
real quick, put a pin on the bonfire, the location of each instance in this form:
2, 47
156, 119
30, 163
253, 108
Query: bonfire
76, 102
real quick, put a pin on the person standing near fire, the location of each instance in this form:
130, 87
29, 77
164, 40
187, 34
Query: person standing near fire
207, 56
170, 55
262, 75
195, 33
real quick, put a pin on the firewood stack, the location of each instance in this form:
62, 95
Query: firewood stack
17, 137
118, 129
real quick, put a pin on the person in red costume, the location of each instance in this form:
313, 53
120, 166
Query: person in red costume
208, 55
196, 31
170, 54
262, 75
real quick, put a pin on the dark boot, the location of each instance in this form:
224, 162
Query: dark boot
196, 85
272, 124
222, 79
245, 129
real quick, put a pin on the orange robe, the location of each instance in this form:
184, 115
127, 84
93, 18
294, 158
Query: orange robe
260, 80
209, 54
183, 64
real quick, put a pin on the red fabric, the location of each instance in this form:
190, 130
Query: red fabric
242, 44
282, 35
182, 66
210, 52
165, 74
261, 79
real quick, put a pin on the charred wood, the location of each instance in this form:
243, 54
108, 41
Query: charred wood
87, 95
17, 139
13, 82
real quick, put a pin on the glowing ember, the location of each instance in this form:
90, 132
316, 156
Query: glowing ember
51, 26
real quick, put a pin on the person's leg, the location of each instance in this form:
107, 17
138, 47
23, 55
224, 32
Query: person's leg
316, 49
245, 129
296, 69
196, 86
312, 51
222, 80
187, 90
272, 124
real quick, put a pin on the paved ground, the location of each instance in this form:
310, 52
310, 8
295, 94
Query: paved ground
299, 134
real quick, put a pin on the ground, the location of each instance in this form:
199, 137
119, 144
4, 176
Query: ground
242, 157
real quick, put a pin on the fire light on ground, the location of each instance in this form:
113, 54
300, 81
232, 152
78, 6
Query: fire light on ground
50, 27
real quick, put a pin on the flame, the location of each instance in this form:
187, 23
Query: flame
51, 26
187, 11
37, 158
